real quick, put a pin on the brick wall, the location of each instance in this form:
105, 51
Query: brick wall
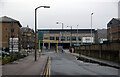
6, 33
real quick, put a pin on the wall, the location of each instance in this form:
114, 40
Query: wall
0, 36
107, 51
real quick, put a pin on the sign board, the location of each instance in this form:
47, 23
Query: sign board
14, 44
87, 39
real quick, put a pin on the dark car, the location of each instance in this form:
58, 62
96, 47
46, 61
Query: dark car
4, 54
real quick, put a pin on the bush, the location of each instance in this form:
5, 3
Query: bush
7, 60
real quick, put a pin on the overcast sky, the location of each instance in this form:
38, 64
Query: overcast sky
70, 12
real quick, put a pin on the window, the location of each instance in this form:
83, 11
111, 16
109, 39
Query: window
73, 38
87, 39
45, 37
62, 38
12, 30
68, 38
57, 38
51, 38
79, 38
12, 23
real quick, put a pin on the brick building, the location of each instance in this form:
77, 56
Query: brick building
28, 38
113, 29
10, 28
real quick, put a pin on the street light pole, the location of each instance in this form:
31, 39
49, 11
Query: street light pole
62, 30
71, 36
36, 29
91, 27
77, 35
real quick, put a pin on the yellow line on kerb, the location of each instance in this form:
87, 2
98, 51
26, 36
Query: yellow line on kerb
47, 72
48, 68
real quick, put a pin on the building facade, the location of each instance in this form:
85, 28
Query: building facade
10, 28
113, 29
66, 37
28, 38
102, 35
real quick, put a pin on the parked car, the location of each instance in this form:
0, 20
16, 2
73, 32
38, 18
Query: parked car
0, 54
5, 54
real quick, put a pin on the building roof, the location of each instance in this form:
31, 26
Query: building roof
6, 19
27, 29
67, 30
114, 22
117, 19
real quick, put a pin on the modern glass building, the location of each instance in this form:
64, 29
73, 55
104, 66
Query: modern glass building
66, 37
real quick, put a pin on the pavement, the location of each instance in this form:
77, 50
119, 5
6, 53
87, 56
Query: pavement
26, 66
62, 64
110, 63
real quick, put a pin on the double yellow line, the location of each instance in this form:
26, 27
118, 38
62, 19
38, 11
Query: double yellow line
48, 72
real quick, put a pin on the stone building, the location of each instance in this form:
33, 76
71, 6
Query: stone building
28, 38
113, 29
102, 35
10, 28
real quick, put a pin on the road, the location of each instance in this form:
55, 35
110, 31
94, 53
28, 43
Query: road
66, 64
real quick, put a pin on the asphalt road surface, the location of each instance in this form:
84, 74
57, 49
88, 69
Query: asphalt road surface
66, 64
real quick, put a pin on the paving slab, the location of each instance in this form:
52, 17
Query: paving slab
25, 66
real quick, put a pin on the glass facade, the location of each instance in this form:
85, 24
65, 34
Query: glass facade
51, 38
79, 38
68, 38
73, 38
62, 38
57, 38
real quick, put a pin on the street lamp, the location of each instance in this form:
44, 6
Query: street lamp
91, 27
62, 32
36, 29
77, 36
71, 35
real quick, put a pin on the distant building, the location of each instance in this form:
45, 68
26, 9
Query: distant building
50, 37
10, 28
28, 38
102, 35
113, 29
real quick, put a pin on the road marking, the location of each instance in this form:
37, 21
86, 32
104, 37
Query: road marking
48, 72
49, 66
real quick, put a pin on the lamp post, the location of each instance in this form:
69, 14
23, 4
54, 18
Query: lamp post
77, 35
36, 29
62, 32
91, 27
71, 36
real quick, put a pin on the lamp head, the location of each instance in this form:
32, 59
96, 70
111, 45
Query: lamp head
57, 22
